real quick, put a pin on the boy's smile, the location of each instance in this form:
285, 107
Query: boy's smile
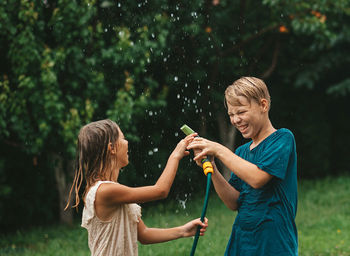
249, 117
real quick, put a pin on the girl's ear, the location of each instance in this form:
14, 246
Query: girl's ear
111, 148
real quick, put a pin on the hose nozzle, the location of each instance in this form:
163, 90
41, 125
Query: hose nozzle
206, 164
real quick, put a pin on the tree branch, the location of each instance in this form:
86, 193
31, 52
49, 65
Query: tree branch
272, 67
247, 40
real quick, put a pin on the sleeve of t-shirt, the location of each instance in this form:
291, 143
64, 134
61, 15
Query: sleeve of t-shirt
234, 181
274, 159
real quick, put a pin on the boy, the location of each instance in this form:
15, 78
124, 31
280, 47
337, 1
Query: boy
263, 183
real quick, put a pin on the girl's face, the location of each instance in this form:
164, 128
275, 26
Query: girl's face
249, 118
122, 151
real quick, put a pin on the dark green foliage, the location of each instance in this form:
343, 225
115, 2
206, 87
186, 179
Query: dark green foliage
153, 66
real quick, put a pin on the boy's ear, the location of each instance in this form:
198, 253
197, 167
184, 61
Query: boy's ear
264, 105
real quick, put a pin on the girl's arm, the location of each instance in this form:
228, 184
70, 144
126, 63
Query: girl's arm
147, 235
110, 194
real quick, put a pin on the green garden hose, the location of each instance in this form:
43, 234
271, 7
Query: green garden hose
194, 246
208, 170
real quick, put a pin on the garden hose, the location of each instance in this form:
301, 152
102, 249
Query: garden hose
208, 170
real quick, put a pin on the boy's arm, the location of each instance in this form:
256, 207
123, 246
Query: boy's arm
228, 194
147, 235
245, 170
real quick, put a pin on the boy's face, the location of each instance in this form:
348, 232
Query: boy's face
249, 117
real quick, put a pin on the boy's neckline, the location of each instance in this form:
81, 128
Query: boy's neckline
255, 146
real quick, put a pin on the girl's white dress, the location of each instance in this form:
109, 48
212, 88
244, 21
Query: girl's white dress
117, 236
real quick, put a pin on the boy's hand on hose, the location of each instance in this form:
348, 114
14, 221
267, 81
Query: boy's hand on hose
204, 148
196, 152
190, 228
180, 150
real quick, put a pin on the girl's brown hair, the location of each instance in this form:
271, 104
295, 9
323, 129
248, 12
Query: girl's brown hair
93, 158
251, 88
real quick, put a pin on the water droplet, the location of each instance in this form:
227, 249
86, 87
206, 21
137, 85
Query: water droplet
183, 203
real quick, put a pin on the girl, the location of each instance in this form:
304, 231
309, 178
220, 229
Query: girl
111, 215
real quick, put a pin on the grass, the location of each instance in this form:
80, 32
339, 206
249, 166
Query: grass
323, 222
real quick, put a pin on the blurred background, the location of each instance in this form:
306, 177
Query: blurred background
153, 66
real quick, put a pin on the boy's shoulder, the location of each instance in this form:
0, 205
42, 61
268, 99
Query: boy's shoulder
285, 132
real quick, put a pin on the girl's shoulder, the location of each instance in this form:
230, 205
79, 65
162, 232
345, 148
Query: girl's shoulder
91, 194
89, 212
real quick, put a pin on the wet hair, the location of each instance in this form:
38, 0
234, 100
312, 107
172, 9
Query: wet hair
93, 158
251, 88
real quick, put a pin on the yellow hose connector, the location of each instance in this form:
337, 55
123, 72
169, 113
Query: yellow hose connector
207, 167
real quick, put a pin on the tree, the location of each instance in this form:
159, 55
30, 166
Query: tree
153, 66
64, 66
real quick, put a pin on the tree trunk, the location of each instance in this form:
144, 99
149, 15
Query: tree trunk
63, 187
227, 136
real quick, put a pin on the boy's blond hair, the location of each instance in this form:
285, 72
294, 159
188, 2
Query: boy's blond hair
251, 88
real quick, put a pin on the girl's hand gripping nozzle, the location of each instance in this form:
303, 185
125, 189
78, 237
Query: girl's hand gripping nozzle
208, 170
206, 164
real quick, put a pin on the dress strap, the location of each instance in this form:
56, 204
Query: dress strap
89, 208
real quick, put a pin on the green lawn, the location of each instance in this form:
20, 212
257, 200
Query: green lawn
323, 222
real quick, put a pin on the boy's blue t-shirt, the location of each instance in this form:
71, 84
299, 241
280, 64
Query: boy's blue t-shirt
265, 223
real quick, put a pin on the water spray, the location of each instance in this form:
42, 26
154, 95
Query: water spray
208, 170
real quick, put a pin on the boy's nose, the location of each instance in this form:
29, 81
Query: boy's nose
235, 120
